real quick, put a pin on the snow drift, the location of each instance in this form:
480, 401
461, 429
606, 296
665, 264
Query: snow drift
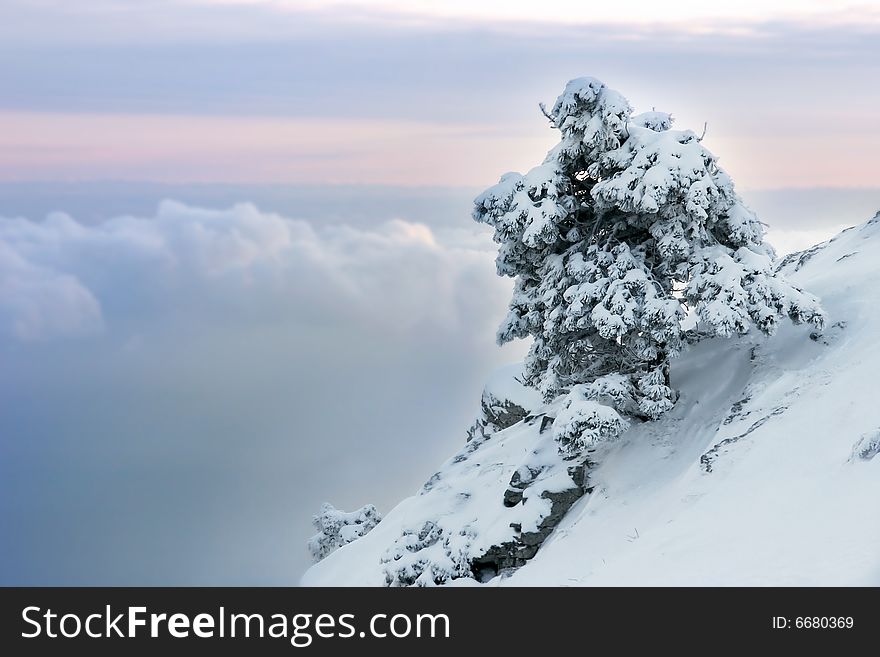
764, 473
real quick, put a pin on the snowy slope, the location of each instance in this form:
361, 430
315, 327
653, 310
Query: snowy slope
763, 474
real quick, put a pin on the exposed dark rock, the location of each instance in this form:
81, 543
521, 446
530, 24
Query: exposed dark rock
829, 335
496, 415
512, 497
431, 482
801, 258
520, 480
707, 460
736, 410
503, 558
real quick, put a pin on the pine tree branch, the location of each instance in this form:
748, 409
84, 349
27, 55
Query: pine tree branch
547, 114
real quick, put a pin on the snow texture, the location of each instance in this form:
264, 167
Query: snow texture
789, 425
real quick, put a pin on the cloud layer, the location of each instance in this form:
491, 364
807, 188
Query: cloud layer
195, 383
64, 279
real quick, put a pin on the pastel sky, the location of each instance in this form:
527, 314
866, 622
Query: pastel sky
422, 93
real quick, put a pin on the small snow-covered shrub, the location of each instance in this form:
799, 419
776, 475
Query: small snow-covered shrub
337, 528
868, 446
615, 390
583, 422
428, 556
655, 397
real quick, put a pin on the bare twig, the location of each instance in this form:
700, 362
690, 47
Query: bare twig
547, 114
705, 125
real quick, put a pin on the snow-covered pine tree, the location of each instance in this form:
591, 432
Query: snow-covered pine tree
625, 227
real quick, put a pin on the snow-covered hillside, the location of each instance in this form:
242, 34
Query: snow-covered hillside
765, 472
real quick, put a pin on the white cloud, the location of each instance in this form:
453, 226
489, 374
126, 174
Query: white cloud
65, 279
38, 303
